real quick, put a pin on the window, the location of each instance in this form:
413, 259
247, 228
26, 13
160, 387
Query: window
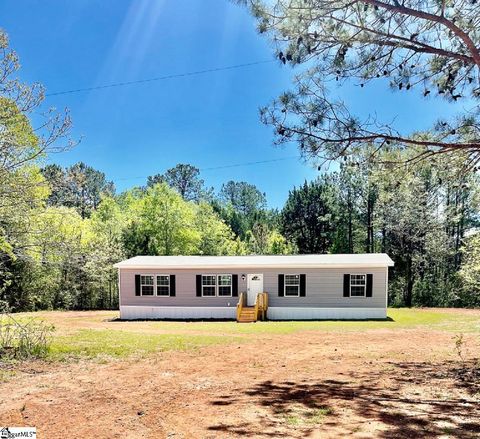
358, 285
217, 285
224, 284
146, 285
209, 285
292, 285
163, 285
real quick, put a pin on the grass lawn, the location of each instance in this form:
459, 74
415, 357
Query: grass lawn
95, 343
99, 334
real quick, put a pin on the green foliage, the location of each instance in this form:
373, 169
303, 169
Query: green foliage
469, 274
167, 222
216, 238
418, 214
61, 230
161, 222
22, 339
185, 179
23, 189
79, 186
262, 240
240, 204
105, 249
308, 218
21, 185
245, 198
428, 47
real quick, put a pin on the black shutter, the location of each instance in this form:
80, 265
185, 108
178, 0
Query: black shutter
234, 285
369, 285
280, 285
303, 285
137, 285
346, 285
199, 285
172, 285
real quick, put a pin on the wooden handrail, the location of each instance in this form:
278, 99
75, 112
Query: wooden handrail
256, 306
261, 305
241, 301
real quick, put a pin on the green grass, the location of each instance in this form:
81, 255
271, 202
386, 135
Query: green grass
6, 375
401, 318
92, 343
97, 335
299, 416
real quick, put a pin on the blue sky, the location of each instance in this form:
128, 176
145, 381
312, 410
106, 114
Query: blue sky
208, 120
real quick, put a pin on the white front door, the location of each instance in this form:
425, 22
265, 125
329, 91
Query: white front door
254, 286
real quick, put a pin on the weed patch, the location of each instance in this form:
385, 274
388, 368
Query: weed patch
22, 339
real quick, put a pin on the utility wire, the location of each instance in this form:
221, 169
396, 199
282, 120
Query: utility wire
235, 165
250, 163
158, 78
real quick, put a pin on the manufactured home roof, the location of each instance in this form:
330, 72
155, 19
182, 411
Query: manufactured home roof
306, 261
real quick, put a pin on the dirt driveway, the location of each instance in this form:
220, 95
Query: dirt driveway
376, 383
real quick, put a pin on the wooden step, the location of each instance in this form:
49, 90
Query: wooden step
247, 315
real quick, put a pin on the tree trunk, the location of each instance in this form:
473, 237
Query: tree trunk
409, 288
350, 222
384, 239
370, 201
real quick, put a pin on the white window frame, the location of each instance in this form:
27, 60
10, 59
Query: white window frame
209, 286
146, 285
285, 285
364, 285
230, 286
217, 285
156, 285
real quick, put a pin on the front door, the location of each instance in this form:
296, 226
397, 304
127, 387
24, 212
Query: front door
254, 286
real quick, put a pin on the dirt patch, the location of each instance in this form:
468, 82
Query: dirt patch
381, 383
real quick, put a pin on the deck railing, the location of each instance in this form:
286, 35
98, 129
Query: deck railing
240, 304
261, 306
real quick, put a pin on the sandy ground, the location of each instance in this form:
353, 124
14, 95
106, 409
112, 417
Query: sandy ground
379, 383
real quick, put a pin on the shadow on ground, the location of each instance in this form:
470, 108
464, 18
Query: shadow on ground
406, 400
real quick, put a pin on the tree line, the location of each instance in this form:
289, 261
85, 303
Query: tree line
421, 216
62, 229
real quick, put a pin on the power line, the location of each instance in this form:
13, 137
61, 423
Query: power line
250, 163
158, 78
234, 165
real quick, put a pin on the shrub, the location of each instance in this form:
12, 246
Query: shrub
22, 339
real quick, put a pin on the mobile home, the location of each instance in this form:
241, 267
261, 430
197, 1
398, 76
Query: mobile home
294, 287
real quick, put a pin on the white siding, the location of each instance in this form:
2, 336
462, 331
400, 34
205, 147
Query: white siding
283, 313
176, 312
